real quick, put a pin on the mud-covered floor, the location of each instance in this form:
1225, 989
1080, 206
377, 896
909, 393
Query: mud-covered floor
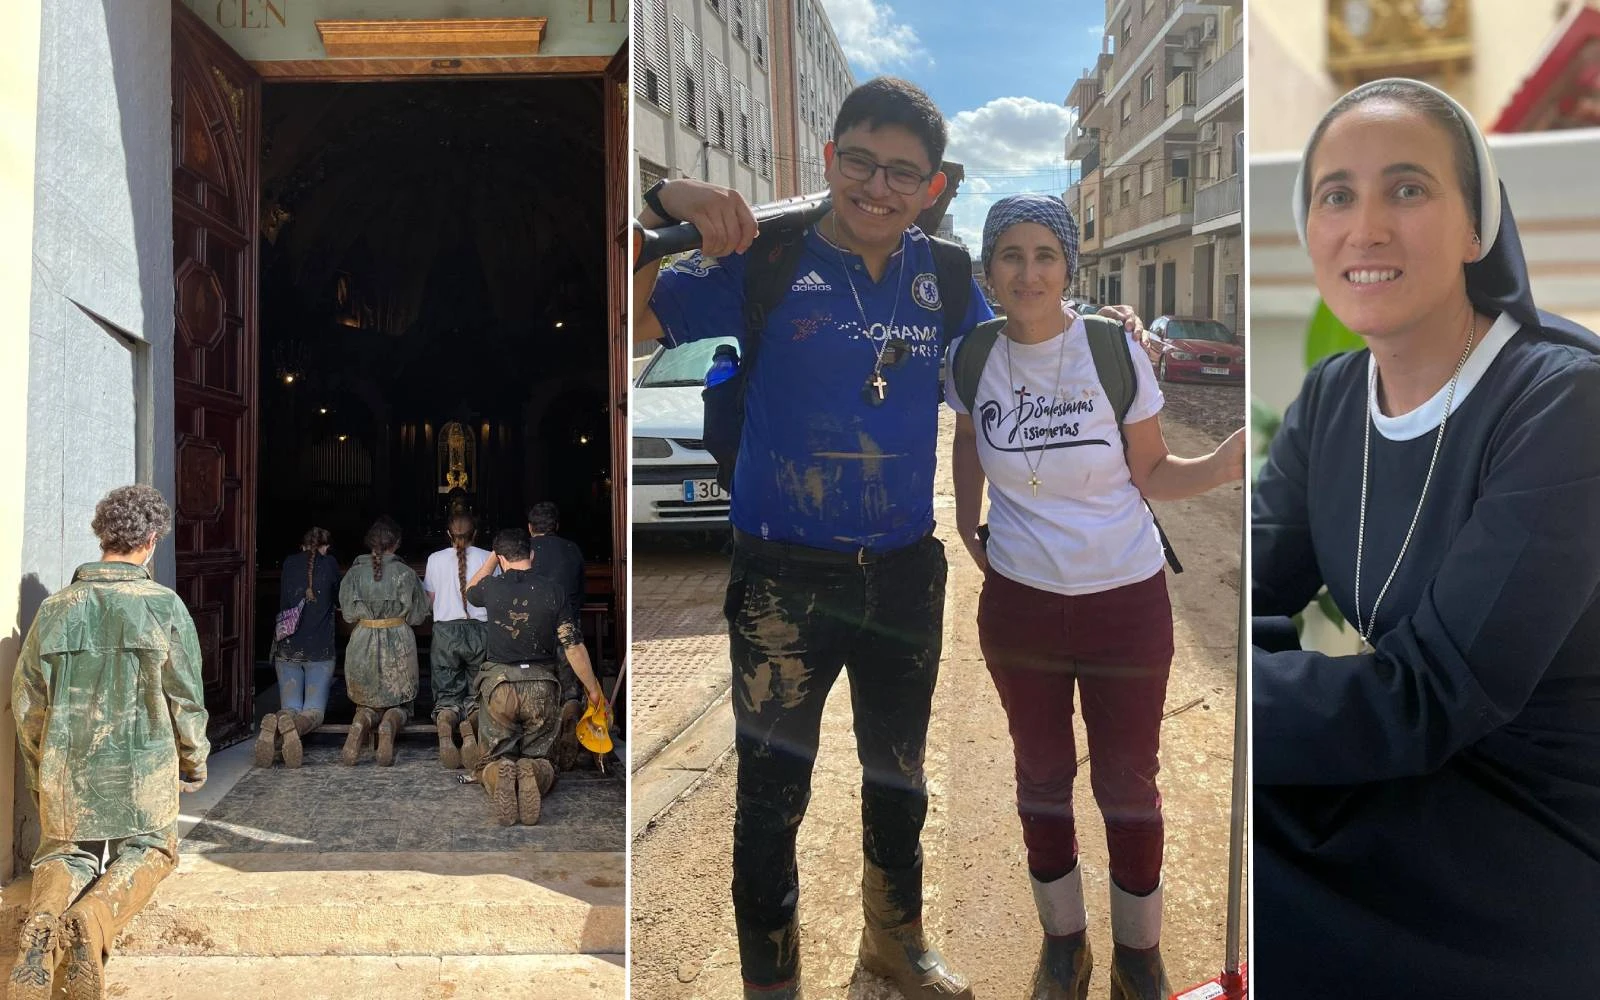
415, 805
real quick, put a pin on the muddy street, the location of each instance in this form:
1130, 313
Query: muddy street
978, 902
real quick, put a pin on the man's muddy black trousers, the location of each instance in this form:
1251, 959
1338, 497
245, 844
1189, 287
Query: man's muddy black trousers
793, 623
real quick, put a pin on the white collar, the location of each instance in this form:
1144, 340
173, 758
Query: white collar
1426, 417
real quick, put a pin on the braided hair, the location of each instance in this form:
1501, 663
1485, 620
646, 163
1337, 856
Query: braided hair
382, 538
463, 529
314, 539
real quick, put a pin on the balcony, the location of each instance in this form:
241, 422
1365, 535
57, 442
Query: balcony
1179, 196
1089, 164
1081, 142
1217, 200
1216, 80
1180, 93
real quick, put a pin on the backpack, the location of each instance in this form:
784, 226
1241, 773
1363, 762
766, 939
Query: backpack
772, 262
1113, 365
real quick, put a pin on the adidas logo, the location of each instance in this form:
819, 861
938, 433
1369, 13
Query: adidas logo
811, 282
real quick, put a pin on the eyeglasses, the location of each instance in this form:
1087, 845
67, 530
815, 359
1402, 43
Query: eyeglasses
859, 167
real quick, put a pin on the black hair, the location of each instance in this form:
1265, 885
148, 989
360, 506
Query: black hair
512, 544
1412, 95
888, 100
544, 517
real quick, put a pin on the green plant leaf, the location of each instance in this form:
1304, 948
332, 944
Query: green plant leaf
1330, 609
1327, 335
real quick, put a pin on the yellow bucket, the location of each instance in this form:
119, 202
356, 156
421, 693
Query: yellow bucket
594, 729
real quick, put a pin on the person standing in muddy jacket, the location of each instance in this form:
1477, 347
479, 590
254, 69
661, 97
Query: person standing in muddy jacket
519, 691
835, 565
111, 717
383, 598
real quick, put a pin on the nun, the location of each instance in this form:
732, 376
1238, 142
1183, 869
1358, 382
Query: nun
1427, 811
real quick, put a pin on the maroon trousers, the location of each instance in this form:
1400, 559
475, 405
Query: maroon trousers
1116, 647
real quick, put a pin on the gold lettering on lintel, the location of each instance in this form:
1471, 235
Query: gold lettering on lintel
500, 36
251, 13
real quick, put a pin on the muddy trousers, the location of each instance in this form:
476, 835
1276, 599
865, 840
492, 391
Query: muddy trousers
455, 653
64, 869
1115, 648
519, 718
795, 619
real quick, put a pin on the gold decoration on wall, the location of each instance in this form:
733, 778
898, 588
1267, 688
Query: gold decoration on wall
235, 97
458, 459
1369, 39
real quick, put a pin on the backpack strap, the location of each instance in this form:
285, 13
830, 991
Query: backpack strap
770, 266
952, 266
971, 356
1113, 364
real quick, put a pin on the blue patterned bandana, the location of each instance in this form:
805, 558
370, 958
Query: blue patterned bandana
1045, 209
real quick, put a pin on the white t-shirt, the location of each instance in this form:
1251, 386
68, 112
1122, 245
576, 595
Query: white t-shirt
442, 581
1088, 529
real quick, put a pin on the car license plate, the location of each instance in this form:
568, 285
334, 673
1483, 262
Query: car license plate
703, 491
1213, 371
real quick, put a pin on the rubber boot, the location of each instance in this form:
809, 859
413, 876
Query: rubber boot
445, 723
300, 723
267, 741
471, 750
393, 721
1064, 958
41, 942
901, 952
1136, 969
93, 922
500, 781
788, 991
366, 721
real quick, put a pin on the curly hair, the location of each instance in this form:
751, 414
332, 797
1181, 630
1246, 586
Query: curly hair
128, 516
314, 539
544, 517
382, 538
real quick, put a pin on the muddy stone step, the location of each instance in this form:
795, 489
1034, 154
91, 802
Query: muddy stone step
525, 977
373, 904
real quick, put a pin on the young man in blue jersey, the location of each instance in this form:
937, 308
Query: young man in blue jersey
835, 564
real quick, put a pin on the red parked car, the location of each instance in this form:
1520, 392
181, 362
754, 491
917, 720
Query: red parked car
1191, 349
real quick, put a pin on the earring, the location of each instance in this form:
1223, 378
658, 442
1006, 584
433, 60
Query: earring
1475, 240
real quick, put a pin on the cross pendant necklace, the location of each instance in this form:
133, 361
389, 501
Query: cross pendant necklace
877, 381
1033, 480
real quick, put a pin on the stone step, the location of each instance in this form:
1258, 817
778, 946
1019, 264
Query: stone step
373, 904
526, 977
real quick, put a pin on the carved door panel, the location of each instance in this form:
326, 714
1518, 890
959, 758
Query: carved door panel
216, 101
618, 285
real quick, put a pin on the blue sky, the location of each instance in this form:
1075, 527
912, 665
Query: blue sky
999, 73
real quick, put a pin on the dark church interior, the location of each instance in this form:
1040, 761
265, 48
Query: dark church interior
433, 320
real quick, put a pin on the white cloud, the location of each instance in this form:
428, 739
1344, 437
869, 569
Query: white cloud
1010, 133
873, 37
1096, 30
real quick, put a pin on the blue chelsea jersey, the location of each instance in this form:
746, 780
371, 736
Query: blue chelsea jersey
819, 463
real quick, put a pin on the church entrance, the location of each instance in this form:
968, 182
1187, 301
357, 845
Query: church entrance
396, 297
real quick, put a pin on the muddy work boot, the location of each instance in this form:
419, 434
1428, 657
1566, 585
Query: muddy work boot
904, 956
1065, 960
267, 741
445, 723
88, 943
500, 781
535, 778
94, 921
364, 723
1137, 972
42, 940
301, 724
394, 720
785, 991
471, 750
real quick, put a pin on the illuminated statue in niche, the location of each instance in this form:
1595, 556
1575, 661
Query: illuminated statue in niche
458, 459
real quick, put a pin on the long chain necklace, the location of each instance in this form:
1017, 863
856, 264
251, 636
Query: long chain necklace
1365, 629
877, 381
1061, 361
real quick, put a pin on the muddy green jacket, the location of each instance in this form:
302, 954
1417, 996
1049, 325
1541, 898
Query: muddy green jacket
110, 706
380, 664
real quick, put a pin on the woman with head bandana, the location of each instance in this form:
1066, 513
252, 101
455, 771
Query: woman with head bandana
1427, 811
1074, 593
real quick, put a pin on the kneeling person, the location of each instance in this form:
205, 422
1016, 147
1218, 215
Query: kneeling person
519, 693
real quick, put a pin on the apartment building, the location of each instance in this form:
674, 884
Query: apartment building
809, 60
703, 85
1146, 143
